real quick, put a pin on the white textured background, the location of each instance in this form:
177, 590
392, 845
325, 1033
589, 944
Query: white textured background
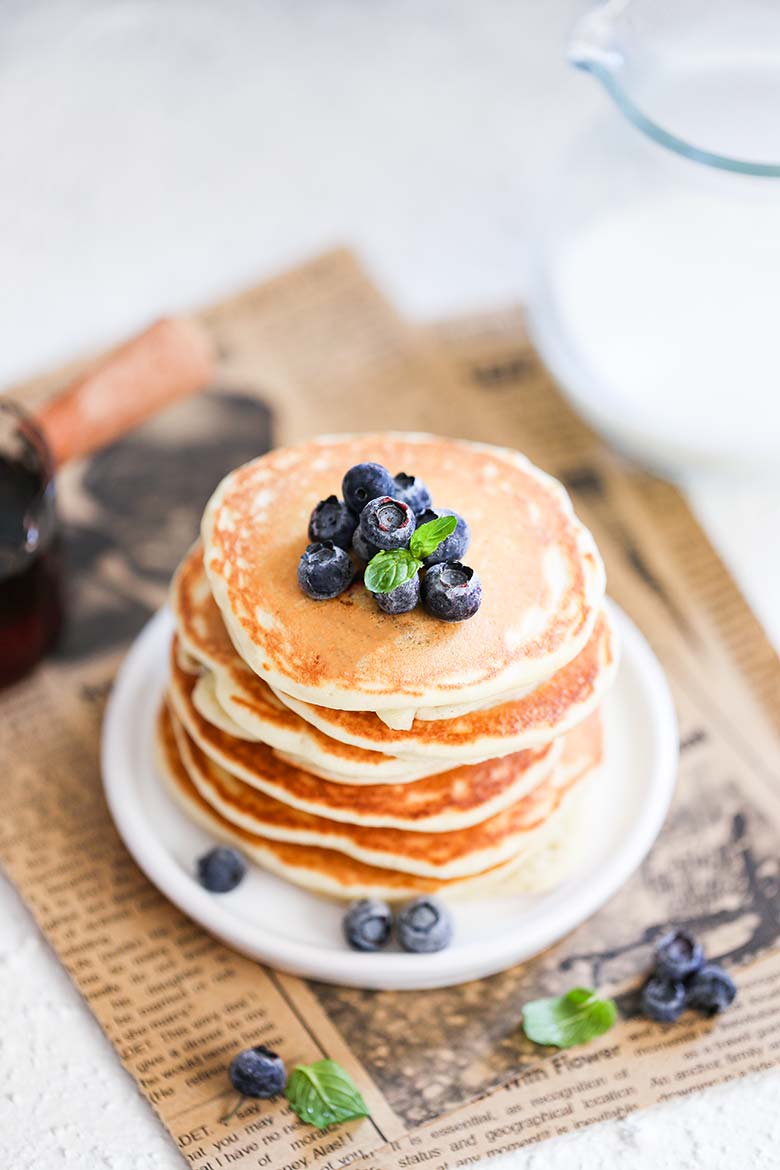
158, 153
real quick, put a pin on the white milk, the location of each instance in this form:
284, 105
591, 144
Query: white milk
672, 306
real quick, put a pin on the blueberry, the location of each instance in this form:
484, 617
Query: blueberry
257, 1072
324, 570
364, 548
662, 999
424, 925
332, 520
412, 491
401, 599
678, 955
387, 523
368, 924
710, 989
454, 547
451, 592
221, 869
364, 482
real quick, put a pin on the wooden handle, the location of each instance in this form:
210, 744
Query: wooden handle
171, 358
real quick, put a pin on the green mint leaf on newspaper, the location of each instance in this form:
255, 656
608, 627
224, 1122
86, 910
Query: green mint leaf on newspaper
322, 1094
427, 538
387, 570
566, 1020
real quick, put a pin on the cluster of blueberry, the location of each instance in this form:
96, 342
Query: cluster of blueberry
389, 522
682, 979
422, 926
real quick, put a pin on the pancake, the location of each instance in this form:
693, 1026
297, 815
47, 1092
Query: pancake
543, 580
188, 663
204, 696
199, 626
452, 800
239, 699
241, 704
325, 871
462, 853
295, 740
321, 756
551, 710
310, 749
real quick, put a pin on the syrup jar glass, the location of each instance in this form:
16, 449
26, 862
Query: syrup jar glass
31, 606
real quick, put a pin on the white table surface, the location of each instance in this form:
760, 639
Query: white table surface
158, 155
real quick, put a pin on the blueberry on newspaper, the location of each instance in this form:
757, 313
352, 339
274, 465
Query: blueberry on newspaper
681, 979
256, 1072
710, 990
663, 999
678, 954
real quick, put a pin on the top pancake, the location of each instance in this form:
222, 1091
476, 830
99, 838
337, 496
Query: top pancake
543, 580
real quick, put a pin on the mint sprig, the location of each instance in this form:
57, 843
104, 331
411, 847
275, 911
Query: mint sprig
566, 1020
323, 1094
427, 538
389, 569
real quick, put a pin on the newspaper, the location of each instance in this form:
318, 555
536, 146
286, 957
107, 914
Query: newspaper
448, 1075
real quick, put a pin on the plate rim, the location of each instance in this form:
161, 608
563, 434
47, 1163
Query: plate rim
386, 971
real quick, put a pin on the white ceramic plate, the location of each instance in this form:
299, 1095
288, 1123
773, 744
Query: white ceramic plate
273, 921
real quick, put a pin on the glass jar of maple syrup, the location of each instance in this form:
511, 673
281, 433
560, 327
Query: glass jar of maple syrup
31, 606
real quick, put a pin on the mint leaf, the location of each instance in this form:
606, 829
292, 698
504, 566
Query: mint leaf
566, 1020
323, 1094
427, 538
387, 570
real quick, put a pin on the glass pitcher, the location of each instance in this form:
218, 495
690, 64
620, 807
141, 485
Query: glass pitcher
654, 269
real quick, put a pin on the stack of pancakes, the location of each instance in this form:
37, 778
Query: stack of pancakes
361, 753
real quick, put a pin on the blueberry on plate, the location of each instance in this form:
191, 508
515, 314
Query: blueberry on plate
364, 548
364, 482
221, 869
412, 491
368, 924
257, 1072
402, 599
387, 523
710, 989
424, 926
324, 570
663, 999
453, 547
677, 955
332, 520
451, 592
